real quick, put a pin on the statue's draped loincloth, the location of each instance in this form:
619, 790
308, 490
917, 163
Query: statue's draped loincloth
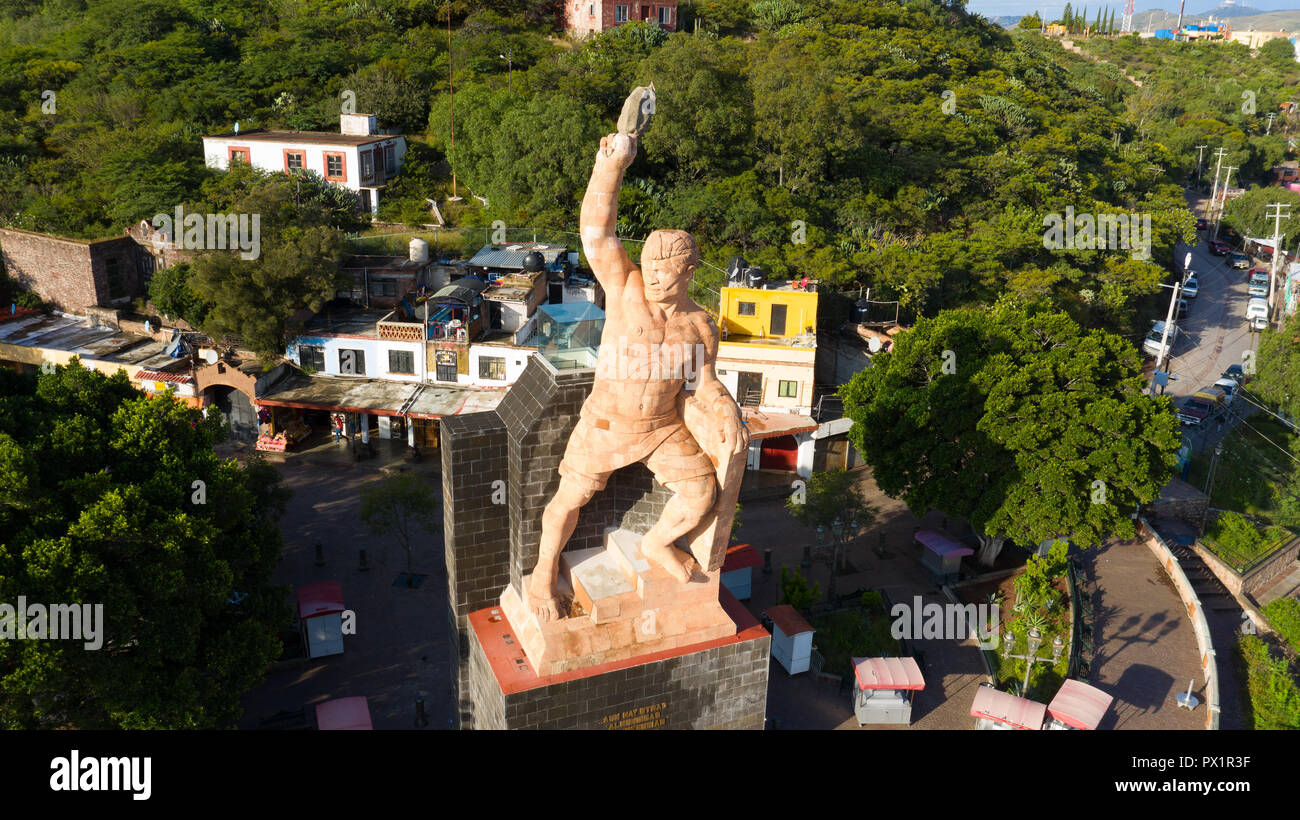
600, 445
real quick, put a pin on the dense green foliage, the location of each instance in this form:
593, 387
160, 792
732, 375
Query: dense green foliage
1284, 615
101, 503
1239, 541
1211, 93
904, 146
1271, 684
1019, 421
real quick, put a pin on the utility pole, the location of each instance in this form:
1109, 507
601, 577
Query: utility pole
1214, 192
1271, 115
1181, 3
1164, 337
451, 107
1277, 217
509, 57
1200, 151
1223, 199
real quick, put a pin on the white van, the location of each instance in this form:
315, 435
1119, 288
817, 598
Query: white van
1257, 314
1151, 344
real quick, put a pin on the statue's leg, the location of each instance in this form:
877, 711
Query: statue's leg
692, 500
558, 522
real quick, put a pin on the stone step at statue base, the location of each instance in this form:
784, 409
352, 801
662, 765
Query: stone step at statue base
629, 607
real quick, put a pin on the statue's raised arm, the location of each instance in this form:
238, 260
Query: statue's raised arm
599, 218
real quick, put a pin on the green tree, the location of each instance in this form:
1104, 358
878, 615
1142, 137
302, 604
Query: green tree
399, 504
170, 293
796, 591
1018, 420
115, 499
1030, 22
301, 249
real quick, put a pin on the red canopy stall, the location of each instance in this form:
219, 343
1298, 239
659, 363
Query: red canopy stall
1078, 706
884, 690
344, 713
1002, 710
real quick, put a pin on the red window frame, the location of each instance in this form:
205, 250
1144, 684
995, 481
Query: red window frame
343, 163
230, 154
299, 152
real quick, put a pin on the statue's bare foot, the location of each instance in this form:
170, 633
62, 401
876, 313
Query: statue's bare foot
542, 601
670, 558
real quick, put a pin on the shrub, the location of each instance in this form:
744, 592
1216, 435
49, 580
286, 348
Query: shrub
1274, 696
796, 592
1284, 615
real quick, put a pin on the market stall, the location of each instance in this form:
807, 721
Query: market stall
993, 709
320, 609
791, 638
344, 713
280, 428
1077, 705
942, 555
885, 689
738, 570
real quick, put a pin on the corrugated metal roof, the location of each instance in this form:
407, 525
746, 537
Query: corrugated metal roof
512, 256
463, 289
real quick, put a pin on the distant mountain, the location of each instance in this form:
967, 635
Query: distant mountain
1007, 20
1244, 19
1230, 8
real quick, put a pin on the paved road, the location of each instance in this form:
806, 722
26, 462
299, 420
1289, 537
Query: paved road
1214, 333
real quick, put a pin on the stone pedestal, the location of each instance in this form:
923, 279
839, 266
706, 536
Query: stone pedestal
620, 607
717, 684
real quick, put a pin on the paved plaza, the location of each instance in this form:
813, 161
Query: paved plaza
1145, 650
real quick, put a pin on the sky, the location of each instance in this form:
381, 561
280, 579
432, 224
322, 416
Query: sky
998, 8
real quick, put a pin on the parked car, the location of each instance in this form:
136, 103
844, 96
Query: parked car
1181, 311
1219, 248
1230, 236
1195, 411
1214, 395
1258, 284
1254, 271
1239, 260
1257, 313
1202, 223
1229, 388
1235, 372
1191, 287
1151, 344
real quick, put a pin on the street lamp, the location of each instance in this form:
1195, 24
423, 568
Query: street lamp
1034, 641
509, 57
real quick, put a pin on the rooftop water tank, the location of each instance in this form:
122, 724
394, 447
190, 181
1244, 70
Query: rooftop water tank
419, 251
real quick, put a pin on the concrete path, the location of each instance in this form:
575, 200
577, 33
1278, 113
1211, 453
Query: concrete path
1145, 652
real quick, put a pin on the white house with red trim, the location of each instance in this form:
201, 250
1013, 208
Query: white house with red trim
358, 158
585, 17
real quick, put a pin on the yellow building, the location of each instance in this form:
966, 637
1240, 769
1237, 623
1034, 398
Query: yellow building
768, 353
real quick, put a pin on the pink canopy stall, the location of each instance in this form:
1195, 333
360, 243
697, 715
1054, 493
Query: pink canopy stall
320, 609
884, 690
1002, 710
344, 713
942, 555
1078, 706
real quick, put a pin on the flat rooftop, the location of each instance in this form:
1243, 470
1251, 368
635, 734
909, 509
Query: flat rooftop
313, 137
351, 322
73, 334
